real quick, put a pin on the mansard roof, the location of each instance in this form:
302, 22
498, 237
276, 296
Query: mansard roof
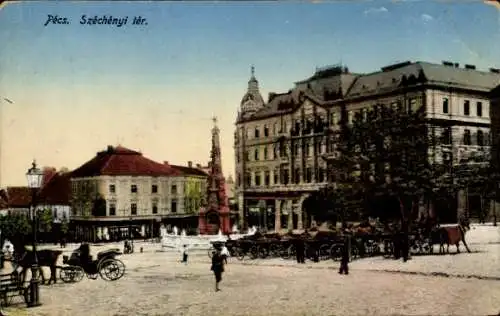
392, 77
121, 161
333, 84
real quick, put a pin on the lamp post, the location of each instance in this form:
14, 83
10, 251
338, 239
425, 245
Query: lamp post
34, 176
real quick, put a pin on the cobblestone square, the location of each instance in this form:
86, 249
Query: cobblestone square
157, 283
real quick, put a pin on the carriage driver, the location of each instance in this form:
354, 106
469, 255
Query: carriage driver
86, 258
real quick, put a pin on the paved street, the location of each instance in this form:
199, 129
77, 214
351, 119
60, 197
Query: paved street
156, 283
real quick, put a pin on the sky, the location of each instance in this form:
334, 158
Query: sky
76, 88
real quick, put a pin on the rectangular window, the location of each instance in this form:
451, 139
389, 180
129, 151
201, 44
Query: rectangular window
112, 209
133, 208
112, 188
308, 175
267, 178
265, 153
466, 107
266, 131
133, 188
480, 138
256, 155
257, 179
155, 208
276, 176
479, 109
467, 138
174, 189
173, 206
154, 188
446, 106
257, 134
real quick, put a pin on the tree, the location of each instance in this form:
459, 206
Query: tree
16, 228
45, 220
64, 225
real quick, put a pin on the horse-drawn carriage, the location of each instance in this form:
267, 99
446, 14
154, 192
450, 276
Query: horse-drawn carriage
80, 263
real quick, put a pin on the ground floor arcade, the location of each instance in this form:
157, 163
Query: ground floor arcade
104, 229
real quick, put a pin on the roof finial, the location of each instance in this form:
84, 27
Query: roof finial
214, 119
253, 70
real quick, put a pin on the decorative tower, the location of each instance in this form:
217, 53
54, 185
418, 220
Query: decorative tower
215, 215
252, 101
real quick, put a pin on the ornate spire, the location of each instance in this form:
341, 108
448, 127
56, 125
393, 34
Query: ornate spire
217, 198
253, 83
252, 100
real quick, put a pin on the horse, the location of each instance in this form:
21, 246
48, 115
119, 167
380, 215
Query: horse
46, 258
451, 235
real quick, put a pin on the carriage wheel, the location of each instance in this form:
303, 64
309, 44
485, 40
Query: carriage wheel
274, 250
263, 252
240, 253
388, 249
254, 252
111, 269
291, 251
354, 252
284, 254
336, 252
324, 252
71, 274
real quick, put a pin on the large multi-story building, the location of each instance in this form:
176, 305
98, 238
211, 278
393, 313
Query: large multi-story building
120, 192
280, 145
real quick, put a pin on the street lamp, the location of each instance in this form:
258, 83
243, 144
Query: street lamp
34, 176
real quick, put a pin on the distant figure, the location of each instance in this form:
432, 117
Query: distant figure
185, 254
217, 267
299, 249
63, 242
225, 253
344, 268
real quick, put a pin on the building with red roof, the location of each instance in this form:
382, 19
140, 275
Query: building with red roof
120, 193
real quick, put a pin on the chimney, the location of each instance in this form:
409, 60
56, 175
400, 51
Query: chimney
198, 166
190, 164
471, 67
165, 162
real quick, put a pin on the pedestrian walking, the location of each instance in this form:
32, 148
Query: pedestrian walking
185, 254
344, 268
217, 267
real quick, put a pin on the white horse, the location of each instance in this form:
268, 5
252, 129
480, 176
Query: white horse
8, 249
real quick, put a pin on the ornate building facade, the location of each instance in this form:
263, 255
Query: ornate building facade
120, 193
282, 146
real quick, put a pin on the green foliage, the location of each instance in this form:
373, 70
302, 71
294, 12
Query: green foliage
64, 225
15, 226
45, 220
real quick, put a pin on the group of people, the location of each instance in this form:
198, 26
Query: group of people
300, 253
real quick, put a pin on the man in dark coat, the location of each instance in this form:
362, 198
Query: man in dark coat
299, 249
344, 268
217, 267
